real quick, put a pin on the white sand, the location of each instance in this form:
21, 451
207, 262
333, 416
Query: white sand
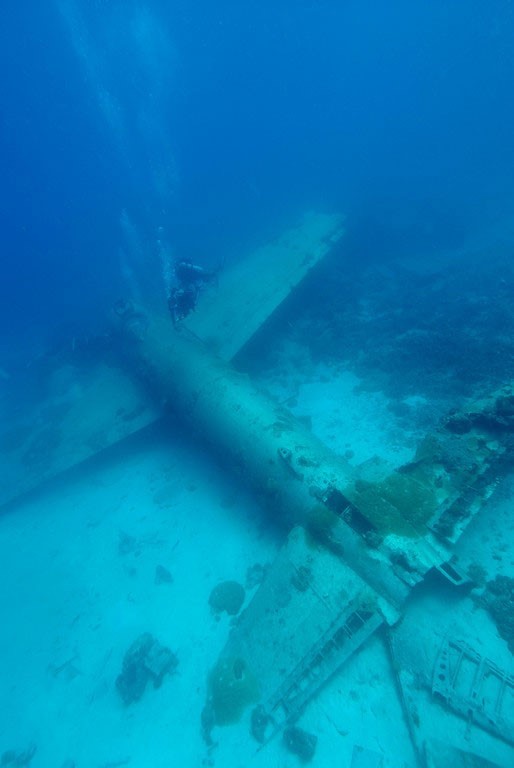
72, 604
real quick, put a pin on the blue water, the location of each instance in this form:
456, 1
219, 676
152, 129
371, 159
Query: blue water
216, 121
136, 132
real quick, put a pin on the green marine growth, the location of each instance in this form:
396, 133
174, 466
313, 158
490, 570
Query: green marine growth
398, 504
232, 687
227, 596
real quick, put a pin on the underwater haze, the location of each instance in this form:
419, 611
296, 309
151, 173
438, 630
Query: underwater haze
257, 384
215, 121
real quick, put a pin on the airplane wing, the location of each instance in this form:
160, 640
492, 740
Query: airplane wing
77, 413
251, 290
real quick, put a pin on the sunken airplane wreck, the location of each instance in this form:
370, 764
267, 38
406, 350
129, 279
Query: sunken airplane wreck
360, 538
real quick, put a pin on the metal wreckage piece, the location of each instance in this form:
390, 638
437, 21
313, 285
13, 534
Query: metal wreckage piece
360, 538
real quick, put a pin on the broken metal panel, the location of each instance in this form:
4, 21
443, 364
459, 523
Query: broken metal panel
309, 615
251, 290
352, 627
457, 703
475, 688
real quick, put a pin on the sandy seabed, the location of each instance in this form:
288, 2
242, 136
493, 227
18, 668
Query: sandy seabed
78, 586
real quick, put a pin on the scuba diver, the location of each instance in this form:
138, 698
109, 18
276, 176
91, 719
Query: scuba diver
188, 274
191, 279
